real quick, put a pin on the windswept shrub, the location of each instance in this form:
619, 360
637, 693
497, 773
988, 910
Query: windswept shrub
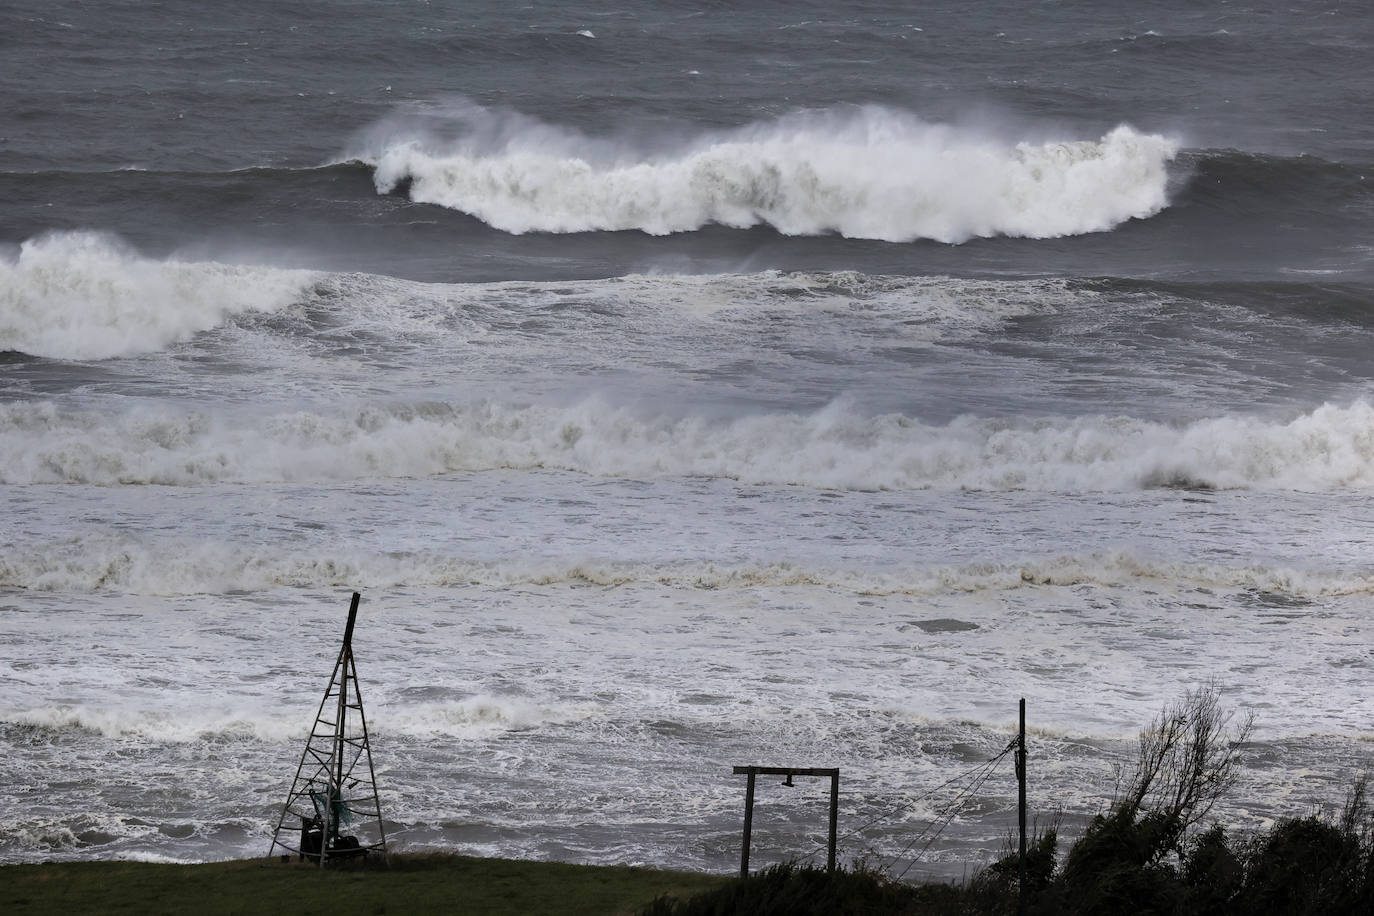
1185, 762
1111, 870
1127, 859
1311, 865
1213, 873
1297, 864
997, 888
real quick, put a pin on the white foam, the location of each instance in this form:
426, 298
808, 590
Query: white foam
927, 307
156, 858
153, 566
167, 724
870, 172
475, 716
84, 295
835, 448
483, 715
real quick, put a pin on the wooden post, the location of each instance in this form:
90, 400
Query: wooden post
834, 817
748, 826
1021, 808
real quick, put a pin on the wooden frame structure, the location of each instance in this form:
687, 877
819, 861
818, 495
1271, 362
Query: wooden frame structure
789, 772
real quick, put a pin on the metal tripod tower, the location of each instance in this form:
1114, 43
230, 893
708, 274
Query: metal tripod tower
335, 786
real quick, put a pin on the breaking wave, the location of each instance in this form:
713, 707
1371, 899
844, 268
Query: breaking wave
147, 565
84, 295
480, 714
835, 448
870, 172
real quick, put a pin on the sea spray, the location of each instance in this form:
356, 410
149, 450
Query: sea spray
87, 296
869, 172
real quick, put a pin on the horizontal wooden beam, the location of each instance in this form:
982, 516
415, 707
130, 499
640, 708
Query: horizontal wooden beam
787, 771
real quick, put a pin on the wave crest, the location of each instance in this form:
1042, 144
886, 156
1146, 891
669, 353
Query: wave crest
84, 295
149, 565
836, 448
872, 172
481, 714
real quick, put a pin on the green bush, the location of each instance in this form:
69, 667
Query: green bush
996, 889
1308, 865
1213, 873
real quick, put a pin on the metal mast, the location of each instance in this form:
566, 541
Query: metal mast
335, 785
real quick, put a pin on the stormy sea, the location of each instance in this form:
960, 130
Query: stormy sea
683, 386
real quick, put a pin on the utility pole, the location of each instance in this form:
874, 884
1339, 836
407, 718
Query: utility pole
1021, 808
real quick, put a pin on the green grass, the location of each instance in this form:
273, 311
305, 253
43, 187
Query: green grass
405, 884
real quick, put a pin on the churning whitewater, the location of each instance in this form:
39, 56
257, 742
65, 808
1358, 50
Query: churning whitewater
87, 296
1329, 448
869, 174
682, 389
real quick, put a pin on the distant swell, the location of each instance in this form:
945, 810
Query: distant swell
1330, 447
84, 295
871, 173
1238, 184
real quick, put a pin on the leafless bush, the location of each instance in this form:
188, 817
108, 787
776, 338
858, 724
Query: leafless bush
1186, 761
